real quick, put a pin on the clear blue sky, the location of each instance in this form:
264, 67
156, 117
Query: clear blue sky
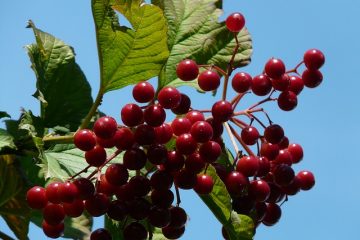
326, 121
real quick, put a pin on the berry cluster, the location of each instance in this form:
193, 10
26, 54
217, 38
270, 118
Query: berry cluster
159, 154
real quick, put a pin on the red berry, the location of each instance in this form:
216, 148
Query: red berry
259, 190
222, 111
178, 217
269, 150
306, 180
36, 197
106, 142
287, 101
274, 68
186, 144
209, 80
161, 180
53, 214
117, 210
284, 157
314, 59
135, 231
103, 186
236, 182
139, 208
169, 97
276, 195
159, 217
284, 143
140, 185
235, 22
273, 214
283, 175
143, 92
144, 134
204, 184
195, 116
154, 115
181, 126
124, 138
97, 205
132, 115
85, 187
187, 70
84, 139
261, 85
74, 209
201, 131
162, 198
52, 192
241, 82
68, 192
96, 157
184, 105
296, 85
116, 174
312, 78
175, 161
264, 166
163, 134
185, 179
282, 83
273, 133
296, 152
250, 135
217, 127
292, 189
194, 163
210, 151
53, 231
134, 159
100, 234
248, 165
157, 154
172, 233
105, 127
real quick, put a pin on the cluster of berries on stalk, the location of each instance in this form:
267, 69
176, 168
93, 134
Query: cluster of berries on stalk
159, 154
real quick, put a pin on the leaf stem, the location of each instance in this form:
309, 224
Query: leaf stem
58, 139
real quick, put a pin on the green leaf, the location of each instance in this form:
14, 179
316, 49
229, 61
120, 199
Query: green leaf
62, 88
242, 225
6, 140
75, 228
195, 33
4, 115
129, 55
114, 227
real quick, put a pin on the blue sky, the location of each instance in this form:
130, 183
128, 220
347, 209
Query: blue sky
325, 123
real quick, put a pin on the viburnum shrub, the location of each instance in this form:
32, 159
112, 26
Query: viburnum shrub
131, 167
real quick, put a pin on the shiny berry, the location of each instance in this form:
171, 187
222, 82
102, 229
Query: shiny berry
274, 68
210, 151
314, 59
135, 231
201, 131
154, 115
53, 231
241, 82
132, 115
163, 133
296, 85
96, 157
274, 133
222, 111
68, 192
250, 135
53, 214
209, 80
184, 105
143, 92
235, 22
273, 214
204, 184
287, 101
169, 97
124, 138
312, 78
261, 85
181, 125
85, 188
248, 165
105, 127
282, 83
36, 197
195, 116
117, 174
306, 180
187, 70
85, 139
236, 183
134, 159
296, 152
144, 134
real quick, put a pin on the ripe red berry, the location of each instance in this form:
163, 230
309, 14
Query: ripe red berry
135, 231
105, 127
162, 198
53, 231
36, 197
53, 214
134, 159
161, 180
209, 80
185, 179
287, 101
159, 217
143, 92
274, 133
269, 150
103, 186
222, 111
204, 184
163, 134
139, 208
306, 180
52, 192
274, 68
184, 105
157, 154
284, 157
132, 115
187, 70
194, 163
186, 144
172, 233
68, 192
96, 157
261, 85
144, 134
169, 97
276, 195
235, 183
100, 234
74, 209
97, 205
248, 165
124, 138
259, 190
154, 115
282, 83
85, 187
314, 59
210, 151
195, 116
201, 131
178, 217
250, 135
84, 139
283, 175
140, 185
118, 210
296, 152
235, 22
241, 82
181, 125
312, 78
116, 174
273, 214
296, 85
264, 166
175, 161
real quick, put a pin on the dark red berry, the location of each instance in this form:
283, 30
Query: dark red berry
296, 85
53, 214
276, 195
216, 126
74, 209
105, 127
103, 186
187, 70
52, 192
96, 156
235, 22
36, 197
194, 163
100, 234
132, 115
178, 217
162, 198
287, 100
204, 184
184, 105
144, 134
175, 161
143, 92
284, 143
243, 204
159, 217
185, 179
181, 125
140, 185
264, 166
124, 139
201, 131
85, 187
236, 183
241, 82
134, 159
139, 208
97, 205
106, 142
169, 97
261, 85
68, 192
209, 80
186, 144
85, 139
163, 134
314, 59
135, 231
274, 133
273, 214
283, 175
284, 157
154, 115
274, 68
306, 180
195, 116
53, 231
222, 111
157, 154
312, 78
117, 174
117, 210
248, 165
282, 83
269, 150
161, 180
173, 233
259, 190
210, 151
296, 152
250, 135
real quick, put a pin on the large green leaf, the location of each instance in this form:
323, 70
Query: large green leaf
62, 88
6, 140
194, 32
239, 227
129, 55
